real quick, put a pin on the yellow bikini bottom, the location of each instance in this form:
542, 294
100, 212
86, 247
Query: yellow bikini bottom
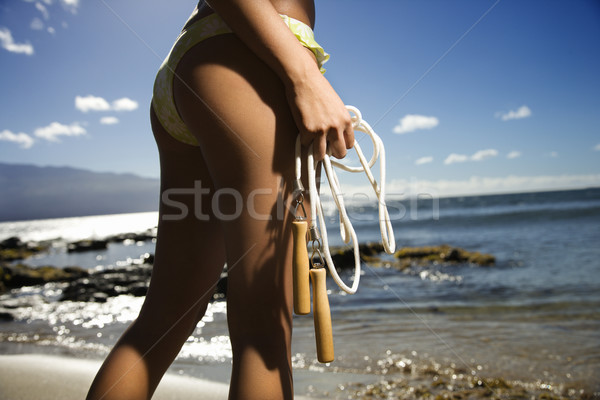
207, 27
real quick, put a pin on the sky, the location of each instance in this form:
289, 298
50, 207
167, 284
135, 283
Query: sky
469, 96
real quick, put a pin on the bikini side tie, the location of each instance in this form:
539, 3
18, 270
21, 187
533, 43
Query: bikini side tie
317, 233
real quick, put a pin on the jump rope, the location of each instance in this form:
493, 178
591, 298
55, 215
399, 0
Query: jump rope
311, 269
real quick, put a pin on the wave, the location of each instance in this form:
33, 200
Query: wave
472, 209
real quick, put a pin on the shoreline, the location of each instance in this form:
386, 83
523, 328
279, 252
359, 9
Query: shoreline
438, 327
59, 377
48, 377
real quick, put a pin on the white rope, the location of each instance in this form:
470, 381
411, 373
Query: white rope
346, 229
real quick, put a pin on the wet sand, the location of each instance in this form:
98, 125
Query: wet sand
34, 377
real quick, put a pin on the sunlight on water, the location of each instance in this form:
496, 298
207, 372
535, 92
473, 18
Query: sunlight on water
207, 347
35, 307
531, 318
76, 228
63, 322
216, 348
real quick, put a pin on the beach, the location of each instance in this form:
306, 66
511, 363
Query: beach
34, 377
524, 326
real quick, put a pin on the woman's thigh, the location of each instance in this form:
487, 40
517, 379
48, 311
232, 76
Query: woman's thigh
237, 108
190, 251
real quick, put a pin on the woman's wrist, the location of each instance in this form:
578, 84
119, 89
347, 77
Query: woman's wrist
300, 70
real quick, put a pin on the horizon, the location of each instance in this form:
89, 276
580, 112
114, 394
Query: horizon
487, 97
401, 189
326, 201
120, 198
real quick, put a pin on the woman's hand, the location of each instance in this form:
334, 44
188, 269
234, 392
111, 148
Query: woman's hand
318, 111
320, 114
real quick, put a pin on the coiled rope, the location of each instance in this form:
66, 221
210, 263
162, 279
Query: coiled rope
318, 231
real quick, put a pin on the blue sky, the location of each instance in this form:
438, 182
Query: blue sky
469, 96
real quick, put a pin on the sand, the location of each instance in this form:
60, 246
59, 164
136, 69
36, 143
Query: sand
35, 377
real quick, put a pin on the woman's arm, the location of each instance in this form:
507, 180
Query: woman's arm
318, 111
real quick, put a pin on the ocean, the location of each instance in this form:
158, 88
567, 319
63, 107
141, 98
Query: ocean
531, 321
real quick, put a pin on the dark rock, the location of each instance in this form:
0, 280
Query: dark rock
14, 254
451, 255
419, 252
13, 248
100, 285
100, 297
12, 243
137, 237
14, 276
343, 259
132, 280
138, 289
76, 271
482, 259
76, 293
87, 245
148, 259
443, 253
370, 249
6, 316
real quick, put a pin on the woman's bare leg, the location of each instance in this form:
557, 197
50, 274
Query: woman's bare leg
188, 261
238, 110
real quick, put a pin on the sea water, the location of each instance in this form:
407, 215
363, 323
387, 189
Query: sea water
532, 317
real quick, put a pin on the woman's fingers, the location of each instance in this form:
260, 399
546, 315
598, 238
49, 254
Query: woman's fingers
306, 138
319, 147
349, 136
334, 143
342, 138
337, 140
337, 145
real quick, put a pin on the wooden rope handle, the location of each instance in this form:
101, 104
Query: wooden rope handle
300, 269
322, 316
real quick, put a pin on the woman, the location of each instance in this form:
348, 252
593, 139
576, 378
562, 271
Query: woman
240, 83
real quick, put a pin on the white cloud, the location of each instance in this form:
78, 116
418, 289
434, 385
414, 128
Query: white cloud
487, 185
124, 104
553, 154
37, 24
41, 8
56, 129
22, 139
91, 103
513, 154
70, 5
474, 185
521, 112
477, 156
455, 158
597, 147
483, 154
95, 103
424, 160
51, 30
8, 43
109, 120
413, 122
